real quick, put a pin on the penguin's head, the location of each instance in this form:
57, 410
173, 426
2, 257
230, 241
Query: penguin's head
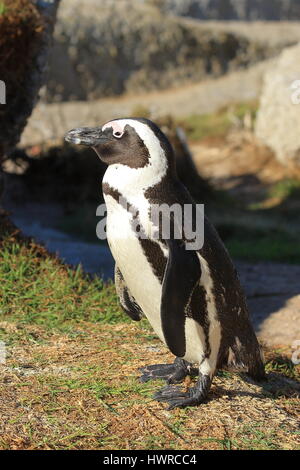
134, 143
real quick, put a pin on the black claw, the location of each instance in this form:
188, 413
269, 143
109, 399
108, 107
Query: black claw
169, 393
166, 392
144, 378
177, 398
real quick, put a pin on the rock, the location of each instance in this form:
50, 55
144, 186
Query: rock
50, 121
131, 46
278, 120
248, 10
25, 35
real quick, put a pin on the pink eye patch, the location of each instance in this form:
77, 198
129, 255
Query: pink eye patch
118, 129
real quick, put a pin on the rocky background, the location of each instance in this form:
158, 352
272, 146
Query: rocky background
25, 36
245, 10
114, 47
278, 119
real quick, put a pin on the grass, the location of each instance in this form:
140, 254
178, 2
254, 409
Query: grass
280, 196
200, 126
259, 245
278, 362
267, 230
287, 188
71, 376
277, 240
38, 289
253, 437
3, 8
89, 397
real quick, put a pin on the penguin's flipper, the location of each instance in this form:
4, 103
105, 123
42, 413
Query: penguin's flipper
127, 302
182, 273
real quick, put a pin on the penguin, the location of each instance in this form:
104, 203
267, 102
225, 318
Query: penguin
192, 297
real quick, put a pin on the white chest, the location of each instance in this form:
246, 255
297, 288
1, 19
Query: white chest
132, 262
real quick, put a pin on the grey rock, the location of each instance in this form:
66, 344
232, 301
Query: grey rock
49, 122
21, 100
114, 47
278, 120
245, 10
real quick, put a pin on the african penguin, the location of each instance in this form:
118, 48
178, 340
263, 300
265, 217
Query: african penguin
192, 298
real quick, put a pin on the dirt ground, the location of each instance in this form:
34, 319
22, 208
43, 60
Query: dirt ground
238, 161
81, 391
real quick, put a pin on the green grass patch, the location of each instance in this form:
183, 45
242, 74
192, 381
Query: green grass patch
287, 188
199, 126
268, 248
259, 244
55, 386
256, 437
283, 365
38, 289
206, 125
3, 9
282, 194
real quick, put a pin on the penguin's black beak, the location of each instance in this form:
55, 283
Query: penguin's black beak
89, 136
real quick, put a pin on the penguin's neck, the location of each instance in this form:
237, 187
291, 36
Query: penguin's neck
132, 183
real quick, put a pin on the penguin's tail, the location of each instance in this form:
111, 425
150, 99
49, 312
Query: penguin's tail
255, 362
245, 354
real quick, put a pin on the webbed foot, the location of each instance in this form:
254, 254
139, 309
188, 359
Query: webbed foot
176, 397
172, 373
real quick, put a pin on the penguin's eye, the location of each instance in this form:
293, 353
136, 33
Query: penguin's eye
118, 134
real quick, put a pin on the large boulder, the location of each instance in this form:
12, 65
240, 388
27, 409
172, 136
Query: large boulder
26, 28
278, 120
112, 47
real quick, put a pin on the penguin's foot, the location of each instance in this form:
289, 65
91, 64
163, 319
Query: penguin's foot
177, 398
172, 373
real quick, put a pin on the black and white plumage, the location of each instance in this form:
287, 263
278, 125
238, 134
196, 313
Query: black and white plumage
193, 299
